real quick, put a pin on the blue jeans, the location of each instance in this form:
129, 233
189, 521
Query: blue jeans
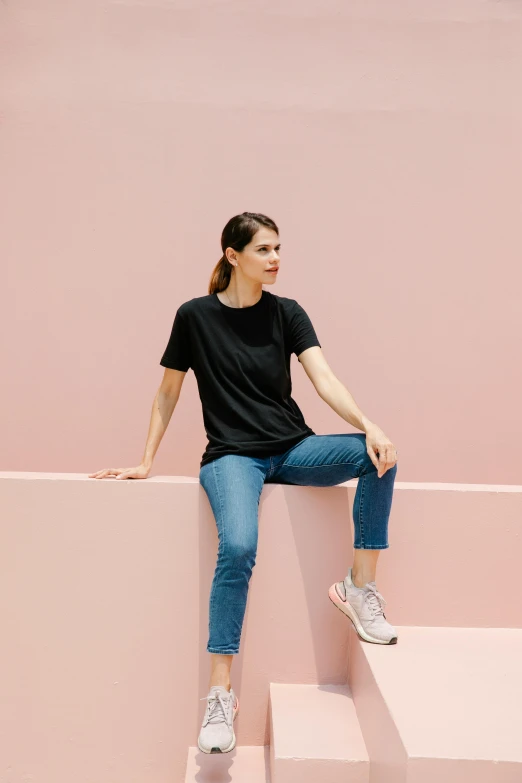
233, 484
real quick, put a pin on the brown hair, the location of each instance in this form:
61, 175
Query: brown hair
237, 233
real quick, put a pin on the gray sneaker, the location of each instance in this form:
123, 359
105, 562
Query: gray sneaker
217, 731
364, 607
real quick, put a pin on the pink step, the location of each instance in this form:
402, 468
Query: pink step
123, 573
443, 704
244, 764
315, 735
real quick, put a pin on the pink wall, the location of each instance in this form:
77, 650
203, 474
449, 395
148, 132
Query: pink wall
385, 142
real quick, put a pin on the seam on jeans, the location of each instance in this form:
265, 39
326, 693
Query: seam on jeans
326, 465
270, 468
361, 527
220, 502
223, 652
386, 546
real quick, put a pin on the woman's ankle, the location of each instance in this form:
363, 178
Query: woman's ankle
219, 682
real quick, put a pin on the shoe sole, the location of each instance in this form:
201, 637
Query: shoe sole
233, 741
345, 607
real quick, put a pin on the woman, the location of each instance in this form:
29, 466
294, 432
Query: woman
238, 339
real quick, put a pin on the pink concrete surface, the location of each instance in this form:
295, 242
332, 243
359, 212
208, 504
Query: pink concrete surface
244, 764
383, 138
104, 594
442, 704
315, 735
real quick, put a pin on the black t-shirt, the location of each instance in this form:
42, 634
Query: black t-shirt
241, 360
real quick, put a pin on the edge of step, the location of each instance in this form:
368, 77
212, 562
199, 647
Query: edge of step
245, 763
314, 731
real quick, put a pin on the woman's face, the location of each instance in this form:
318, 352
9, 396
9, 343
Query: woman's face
260, 255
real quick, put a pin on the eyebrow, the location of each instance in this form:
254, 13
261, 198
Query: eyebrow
266, 244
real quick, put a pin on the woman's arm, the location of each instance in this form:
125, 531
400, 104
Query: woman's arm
163, 406
162, 409
380, 449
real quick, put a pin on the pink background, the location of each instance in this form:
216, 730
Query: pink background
384, 139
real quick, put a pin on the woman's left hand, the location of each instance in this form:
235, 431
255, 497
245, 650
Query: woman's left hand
381, 450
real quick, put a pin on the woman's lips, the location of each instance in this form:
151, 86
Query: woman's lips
273, 271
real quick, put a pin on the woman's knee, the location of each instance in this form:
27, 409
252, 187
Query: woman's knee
239, 553
368, 466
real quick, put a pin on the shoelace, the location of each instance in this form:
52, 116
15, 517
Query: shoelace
374, 600
215, 715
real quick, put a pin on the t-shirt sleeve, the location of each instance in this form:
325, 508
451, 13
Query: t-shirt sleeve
177, 354
302, 332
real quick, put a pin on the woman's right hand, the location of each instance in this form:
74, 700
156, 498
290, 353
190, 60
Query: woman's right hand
141, 472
